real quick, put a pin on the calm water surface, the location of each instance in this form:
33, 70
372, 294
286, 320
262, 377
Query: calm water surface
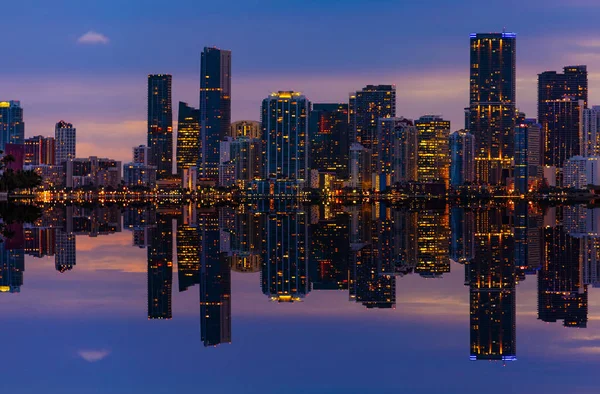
419, 299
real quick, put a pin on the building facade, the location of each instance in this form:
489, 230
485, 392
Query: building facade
591, 131
65, 138
433, 150
285, 136
492, 103
528, 156
462, 158
246, 128
160, 123
562, 129
215, 108
188, 137
12, 125
329, 138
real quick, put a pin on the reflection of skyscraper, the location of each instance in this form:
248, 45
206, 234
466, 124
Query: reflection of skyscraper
12, 260
562, 295
215, 283
160, 268
492, 280
433, 241
371, 281
65, 257
462, 230
329, 253
492, 99
188, 252
285, 260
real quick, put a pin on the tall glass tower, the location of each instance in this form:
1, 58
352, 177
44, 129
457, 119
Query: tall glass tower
188, 137
285, 136
215, 108
12, 128
492, 102
160, 124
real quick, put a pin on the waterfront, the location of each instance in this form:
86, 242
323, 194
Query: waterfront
384, 296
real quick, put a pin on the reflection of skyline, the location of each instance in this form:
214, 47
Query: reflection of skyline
362, 250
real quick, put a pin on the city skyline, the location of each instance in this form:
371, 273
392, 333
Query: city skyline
323, 77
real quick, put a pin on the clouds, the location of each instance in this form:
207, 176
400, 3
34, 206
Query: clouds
92, 356
93, 38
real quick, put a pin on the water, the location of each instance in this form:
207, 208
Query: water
425, 298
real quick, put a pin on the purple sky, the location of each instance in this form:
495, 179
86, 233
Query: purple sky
86, 62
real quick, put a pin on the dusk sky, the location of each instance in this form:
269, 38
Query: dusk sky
86, 61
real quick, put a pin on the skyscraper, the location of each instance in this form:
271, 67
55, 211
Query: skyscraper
285, 136
365, 108
528, 155
573, 82
215, 108
329, 137
433, 150
65, 142
397, 156
492, 102
188, 137
562, 129
591, 131
40, 150
462, 158
160, 124
12, 126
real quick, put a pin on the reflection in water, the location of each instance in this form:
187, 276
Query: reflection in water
362, 250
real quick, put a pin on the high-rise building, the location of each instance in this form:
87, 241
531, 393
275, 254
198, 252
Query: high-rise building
215, 108
365, 108
433, 150
397, 156
462, 158
285, 136
359, 167
65, 136
562, 129
188, 137
160, 124
244, 157
329, 138
492, 103
432, 243
40, 150
528, 155
12, 125
246, 128
573, 82
591, 131
142, 155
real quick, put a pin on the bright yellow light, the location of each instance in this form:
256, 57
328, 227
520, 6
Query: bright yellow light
4, 104
4, 289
